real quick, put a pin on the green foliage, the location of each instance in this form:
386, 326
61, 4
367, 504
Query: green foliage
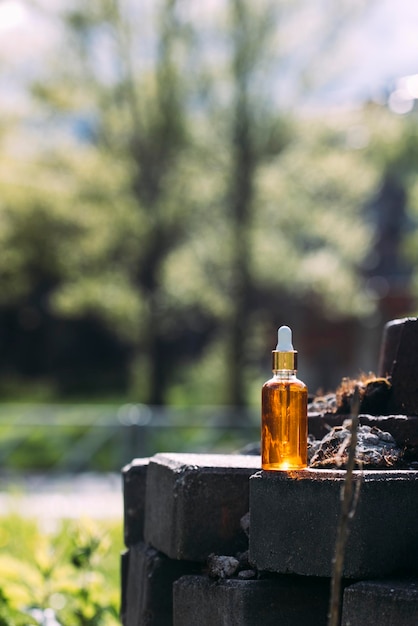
312, 201
194, 202
393, 148
10, 616
68, 438
72, 572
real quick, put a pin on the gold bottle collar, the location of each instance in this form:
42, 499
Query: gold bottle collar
284, 360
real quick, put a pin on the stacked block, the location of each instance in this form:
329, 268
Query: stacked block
180, 509
195, 503
386, 603
288, 601
147, 575
294, 518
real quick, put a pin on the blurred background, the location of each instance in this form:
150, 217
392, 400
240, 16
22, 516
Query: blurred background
177, 180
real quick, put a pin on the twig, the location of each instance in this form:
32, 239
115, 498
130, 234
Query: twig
348, 507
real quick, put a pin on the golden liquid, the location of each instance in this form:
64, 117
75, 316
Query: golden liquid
284, 424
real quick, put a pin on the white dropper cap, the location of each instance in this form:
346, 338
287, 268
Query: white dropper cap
284, 339
284, 357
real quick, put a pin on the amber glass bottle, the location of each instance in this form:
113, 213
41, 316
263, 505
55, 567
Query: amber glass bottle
284, 418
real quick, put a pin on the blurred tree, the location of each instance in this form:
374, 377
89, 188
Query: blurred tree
184, 200
253, 138
393, 262
290, 198
139, 121
49, 232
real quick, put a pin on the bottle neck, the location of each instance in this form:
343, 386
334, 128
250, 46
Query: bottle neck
284, 374
287, 360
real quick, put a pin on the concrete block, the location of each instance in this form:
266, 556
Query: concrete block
386, 603
134, 478
294, 518
392, 333
398, 359
288, 601
195, 503
124, 574
148, 598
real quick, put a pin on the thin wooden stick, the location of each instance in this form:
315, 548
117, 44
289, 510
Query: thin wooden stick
348, 507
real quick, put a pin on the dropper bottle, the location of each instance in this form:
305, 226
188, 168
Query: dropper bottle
284, 410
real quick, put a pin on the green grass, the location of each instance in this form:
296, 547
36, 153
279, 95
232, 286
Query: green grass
72, 571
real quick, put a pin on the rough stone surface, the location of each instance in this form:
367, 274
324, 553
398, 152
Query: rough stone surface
294, 517
195, 503
373, 396
134, 485
403, 428
222, 566
375, 449
148, 596
288, 601
381, 603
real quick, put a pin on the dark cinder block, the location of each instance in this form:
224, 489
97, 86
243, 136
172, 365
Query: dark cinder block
134, 478
148, 596
288, 601
382, 603
398, 359
392, 333
294, 518
195, 503
124, 573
